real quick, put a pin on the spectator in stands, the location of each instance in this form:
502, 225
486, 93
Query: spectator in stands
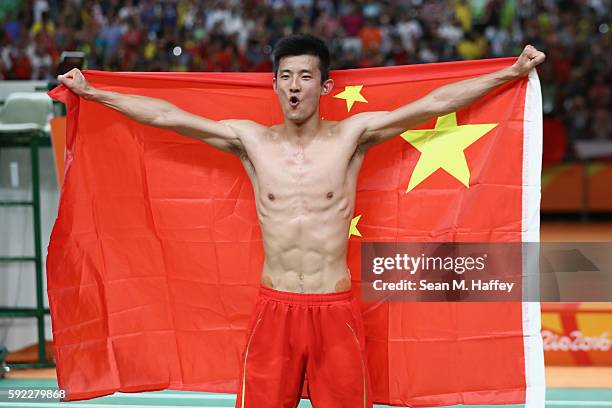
601, 125
40, 61
20, 64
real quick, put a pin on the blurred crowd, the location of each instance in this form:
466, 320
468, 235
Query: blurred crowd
230, 35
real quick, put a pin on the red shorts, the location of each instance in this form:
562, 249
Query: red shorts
294, 337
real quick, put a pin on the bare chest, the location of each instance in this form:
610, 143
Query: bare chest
319, 172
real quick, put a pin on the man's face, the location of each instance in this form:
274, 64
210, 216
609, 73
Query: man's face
298, 86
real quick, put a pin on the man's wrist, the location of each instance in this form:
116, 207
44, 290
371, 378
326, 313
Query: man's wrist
511, 73
91, 94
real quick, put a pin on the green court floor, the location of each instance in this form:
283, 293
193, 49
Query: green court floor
555, 397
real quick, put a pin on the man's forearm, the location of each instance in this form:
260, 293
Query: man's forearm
140, 108
455, 96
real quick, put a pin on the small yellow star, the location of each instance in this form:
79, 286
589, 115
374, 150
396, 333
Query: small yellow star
443, 148
351, 94
353, 229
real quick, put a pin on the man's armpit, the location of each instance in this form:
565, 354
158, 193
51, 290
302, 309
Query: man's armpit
360, 124
226, 145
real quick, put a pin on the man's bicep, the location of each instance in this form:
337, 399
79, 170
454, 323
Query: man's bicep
223, 134
192, 125
385, 125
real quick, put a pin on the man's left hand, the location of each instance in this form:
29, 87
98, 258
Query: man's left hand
529, 58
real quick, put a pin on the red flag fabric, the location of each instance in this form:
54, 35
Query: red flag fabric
155, 257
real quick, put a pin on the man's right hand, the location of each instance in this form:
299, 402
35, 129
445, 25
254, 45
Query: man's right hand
76, 82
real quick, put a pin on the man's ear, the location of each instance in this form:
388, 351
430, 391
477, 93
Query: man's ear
327, 86
274, 84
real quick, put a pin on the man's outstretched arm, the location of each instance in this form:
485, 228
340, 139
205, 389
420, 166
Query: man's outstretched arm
159, 113
377, 127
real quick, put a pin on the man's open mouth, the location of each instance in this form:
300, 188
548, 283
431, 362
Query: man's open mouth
294, 101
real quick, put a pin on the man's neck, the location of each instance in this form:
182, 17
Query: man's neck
304, 131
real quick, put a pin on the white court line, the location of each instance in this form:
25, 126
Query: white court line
581, 403
152, 394
78, 405
166, 395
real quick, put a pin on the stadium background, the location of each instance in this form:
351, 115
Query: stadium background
185, 35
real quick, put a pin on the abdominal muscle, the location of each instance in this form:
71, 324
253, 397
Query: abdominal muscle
305, 248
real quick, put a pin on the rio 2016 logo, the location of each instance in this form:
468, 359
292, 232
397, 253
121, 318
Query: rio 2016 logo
576, 341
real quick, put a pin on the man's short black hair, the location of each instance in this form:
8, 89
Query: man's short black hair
302, 44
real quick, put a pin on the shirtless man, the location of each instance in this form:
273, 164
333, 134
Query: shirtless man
306, 322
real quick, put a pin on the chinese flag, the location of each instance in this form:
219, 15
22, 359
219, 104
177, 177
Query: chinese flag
155, 257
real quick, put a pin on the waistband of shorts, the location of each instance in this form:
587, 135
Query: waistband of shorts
305, 298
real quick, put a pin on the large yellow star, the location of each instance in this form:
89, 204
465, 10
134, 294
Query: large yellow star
351, 94
353, 228
442, 148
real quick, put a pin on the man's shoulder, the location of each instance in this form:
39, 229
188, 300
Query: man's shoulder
243, 126
364, 116
358, 120
331, 124
242, 122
